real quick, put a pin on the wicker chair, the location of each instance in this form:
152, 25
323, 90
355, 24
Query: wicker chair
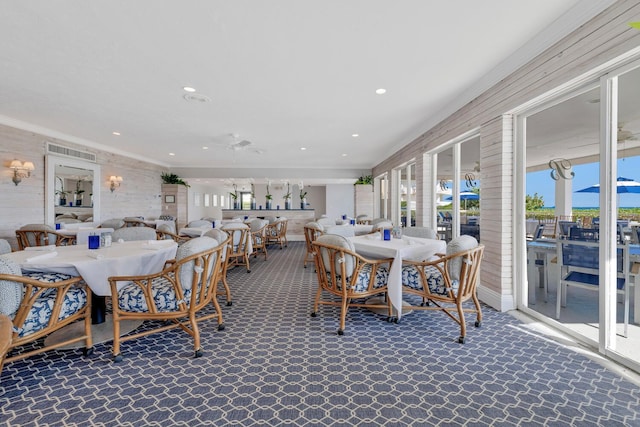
240, 238
5, 247
114, 223
6, 337
180, 291
422, 232
128, 234
276, 233
39, 304
311, 232
258, 237
41, 235
166, 232
134, 221
344, 274
448, 281
223, 236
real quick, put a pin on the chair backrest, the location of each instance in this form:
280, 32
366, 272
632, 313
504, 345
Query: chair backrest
539, 232
311, 232
114, 223
325, 221
258, 224
584, 234
6, 337
200, 223
587, 255
457, 245
36, 235
167, 227
165, 231
340, 230
564, 227
10, 291
330, 257
423, 232
221, 236
188, 270
5, 247
239, 233
128, 234
378, 221
381, 225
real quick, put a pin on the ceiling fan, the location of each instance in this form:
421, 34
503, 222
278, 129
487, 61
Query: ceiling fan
233, 142
626, 135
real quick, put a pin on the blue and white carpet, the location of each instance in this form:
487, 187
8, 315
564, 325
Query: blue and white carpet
274, 365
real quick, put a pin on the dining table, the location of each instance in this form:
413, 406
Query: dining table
129, 258
405, 248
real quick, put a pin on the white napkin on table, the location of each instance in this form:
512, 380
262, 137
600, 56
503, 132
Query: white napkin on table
40, 257
95, 254
47, 248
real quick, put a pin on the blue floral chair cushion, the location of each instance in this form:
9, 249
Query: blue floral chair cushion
362, 283
435, 281
131, 298
38, 318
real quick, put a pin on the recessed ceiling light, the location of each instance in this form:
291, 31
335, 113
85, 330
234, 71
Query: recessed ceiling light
116, 133
381, 91
355, 135
172, 154
205, 148
303, 148
344, 154
188, 89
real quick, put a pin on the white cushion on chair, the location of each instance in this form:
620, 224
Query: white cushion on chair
10, 292
193, 246
459, 244
341, 242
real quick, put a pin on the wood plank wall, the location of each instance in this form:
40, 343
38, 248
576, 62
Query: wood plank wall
602, 39
139, 194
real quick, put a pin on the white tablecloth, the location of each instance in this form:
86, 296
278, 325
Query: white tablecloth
82, 234
121, 259
398, 249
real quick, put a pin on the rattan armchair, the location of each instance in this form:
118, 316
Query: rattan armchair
41, 303
41, 235
276, 233
344, 274
240, 240
177, 295
224, 239
312, 230
447, 282
258, 237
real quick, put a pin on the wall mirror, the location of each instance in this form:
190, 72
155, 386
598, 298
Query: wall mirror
72, 186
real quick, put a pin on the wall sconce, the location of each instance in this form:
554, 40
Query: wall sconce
21, 170
115, 182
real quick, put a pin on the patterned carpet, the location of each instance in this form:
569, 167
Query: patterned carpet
274, 365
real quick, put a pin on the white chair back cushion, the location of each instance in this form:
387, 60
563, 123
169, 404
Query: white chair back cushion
314, 225
193, 246
5, 247
422, 232
341, 242
200, 223
114, 223
459, 244
128, 234
10, 292
341, 230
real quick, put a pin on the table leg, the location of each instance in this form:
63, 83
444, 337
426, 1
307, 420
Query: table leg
98, 309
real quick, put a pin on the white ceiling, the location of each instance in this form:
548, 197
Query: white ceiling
283, 74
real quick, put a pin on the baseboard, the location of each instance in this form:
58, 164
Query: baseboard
496, 300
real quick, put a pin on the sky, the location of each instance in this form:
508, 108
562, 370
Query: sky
585, 176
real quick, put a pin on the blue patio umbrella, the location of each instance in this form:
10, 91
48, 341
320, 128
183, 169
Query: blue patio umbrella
465, 195
623, 185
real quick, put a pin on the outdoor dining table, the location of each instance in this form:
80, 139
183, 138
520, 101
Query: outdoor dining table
413, 248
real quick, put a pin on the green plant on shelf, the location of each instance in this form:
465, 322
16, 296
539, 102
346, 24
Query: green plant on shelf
172, 178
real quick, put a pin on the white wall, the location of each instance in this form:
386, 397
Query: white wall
340, 200
202, 211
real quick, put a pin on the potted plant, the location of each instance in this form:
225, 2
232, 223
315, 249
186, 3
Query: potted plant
78, 193
303, 194
253, 196
287, 198
268, 196
61, 193
172, 178
234, 196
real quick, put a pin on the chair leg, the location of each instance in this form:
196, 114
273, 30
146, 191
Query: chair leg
196, 335
117, 357
463, 325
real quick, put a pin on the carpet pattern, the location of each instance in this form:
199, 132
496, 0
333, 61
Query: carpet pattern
275, 365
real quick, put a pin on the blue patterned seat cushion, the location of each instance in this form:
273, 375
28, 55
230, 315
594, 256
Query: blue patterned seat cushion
362, 284
411, 279
131, 298
40, 313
